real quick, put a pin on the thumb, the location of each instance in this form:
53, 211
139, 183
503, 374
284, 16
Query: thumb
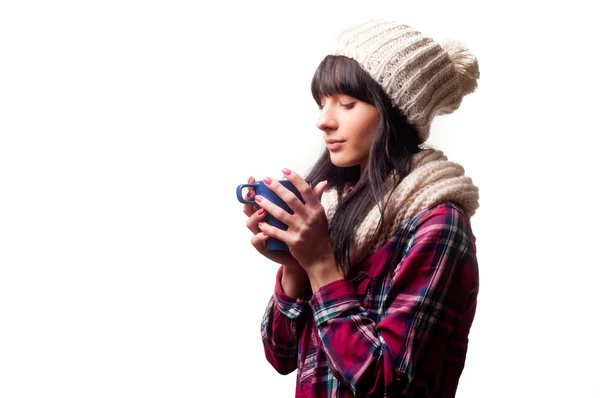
319, 189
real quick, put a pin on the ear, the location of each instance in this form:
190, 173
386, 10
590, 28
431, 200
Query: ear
319, 189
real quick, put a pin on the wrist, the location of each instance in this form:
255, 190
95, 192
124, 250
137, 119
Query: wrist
294, 281
323, 273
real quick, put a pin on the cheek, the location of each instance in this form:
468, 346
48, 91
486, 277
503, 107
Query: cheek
359, 147
367, 131
366, 124
373, 123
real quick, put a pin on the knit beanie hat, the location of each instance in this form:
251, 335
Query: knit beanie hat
421, 77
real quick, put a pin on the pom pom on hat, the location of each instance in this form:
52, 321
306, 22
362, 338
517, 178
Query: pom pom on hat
465, 63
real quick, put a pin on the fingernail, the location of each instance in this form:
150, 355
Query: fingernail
260, 223
267, 180
286, 171
258, 198
261, 212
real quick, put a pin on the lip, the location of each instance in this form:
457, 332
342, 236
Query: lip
332, 141
334, 145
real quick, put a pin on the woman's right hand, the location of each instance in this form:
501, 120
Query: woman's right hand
294, 281
259, 239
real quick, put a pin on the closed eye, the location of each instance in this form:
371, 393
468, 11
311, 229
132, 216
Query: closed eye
349, 105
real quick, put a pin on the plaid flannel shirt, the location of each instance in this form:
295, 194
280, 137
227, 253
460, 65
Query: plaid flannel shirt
396, 327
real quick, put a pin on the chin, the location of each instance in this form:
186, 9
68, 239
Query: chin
341, 161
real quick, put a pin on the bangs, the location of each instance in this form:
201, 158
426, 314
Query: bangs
337, 74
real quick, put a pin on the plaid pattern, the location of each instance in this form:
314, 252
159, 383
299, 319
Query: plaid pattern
397, 327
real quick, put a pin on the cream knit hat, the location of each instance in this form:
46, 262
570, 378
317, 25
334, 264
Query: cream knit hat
422, 77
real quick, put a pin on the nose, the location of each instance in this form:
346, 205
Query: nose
327, 120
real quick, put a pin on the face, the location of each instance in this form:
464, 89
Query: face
349, 126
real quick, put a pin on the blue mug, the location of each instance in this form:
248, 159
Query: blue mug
261, 189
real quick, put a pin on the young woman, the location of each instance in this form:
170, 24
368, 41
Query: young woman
378, 291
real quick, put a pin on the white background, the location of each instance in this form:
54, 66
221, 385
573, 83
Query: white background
125, 126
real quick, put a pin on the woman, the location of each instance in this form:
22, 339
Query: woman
378, 291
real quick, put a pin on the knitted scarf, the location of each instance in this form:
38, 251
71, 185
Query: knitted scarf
432, 180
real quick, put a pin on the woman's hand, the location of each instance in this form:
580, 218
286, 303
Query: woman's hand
259, 238
307, 235
294, 280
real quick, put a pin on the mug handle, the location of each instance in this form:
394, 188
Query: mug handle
241, 197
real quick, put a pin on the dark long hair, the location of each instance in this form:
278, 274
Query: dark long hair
395, 142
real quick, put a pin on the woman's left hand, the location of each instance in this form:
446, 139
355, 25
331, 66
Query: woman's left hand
307, 235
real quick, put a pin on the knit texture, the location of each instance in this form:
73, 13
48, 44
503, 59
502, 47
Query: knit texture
433, 180
421, 77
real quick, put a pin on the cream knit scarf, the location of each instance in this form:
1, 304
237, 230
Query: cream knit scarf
432, 180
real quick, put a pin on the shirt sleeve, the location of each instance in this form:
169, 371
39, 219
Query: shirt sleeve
282, 321
379, 359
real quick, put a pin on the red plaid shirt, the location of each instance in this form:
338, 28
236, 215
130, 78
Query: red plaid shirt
398, 326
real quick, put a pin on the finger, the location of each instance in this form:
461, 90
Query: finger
274, 232
249, 209
251, 180
275, 210
253, 220
302, 186
258, 241
319, 189
296, 206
